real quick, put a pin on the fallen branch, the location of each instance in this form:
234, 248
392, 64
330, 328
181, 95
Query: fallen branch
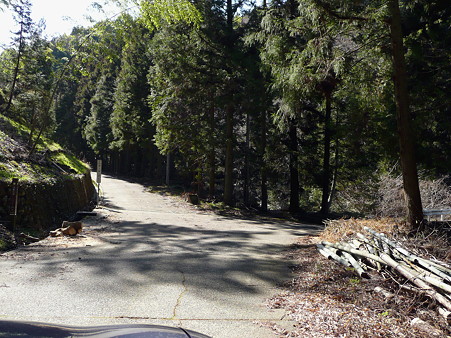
28, 238
423, 276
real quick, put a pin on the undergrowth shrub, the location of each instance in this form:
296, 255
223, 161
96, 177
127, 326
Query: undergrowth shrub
384, 196
435, 194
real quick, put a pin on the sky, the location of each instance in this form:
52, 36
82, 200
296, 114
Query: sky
60, 16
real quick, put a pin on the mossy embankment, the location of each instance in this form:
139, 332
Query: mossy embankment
53, 184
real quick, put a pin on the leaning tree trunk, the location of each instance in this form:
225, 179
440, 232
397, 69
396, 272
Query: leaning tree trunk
405, 134
16, 67
333, 186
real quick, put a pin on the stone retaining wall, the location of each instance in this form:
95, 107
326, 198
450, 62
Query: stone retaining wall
43, 206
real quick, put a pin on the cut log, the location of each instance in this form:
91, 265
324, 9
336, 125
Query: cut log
356, 265
427, 265
359, 253
370, 246
68, 229
438, 270
356, 244
384, 239
427, 277
437, 283
330, 254
441, 267
406, 272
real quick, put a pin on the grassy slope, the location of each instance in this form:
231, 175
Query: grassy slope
49, 162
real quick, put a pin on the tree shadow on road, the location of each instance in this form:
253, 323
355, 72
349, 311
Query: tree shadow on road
137, 254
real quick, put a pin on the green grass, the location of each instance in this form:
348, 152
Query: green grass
214, 205
33, 172
45, 143
218, 206
20, 128
354, 281
6, 245
6, 172
25, 172
173, 190
12, 169
37, 172
71, 161
3, 245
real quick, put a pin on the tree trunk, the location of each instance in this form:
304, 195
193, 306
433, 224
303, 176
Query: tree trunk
405, 134
16, 67
229, 12
264, 175
326, 160
160, 168
116, 156
154, 162
246, 162
335, 173
294, 173
211, 153
211, 173
228, 182
127, 160
35, 143
168, 167
139, 163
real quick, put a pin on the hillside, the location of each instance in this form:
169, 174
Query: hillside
48, 162
53, 184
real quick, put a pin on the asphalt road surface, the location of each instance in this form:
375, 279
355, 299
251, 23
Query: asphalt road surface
150, 259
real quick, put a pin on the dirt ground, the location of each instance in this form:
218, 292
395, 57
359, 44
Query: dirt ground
328, 300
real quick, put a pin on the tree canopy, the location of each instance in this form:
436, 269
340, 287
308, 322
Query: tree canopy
285, 104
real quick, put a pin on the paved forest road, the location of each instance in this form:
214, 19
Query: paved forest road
151, 260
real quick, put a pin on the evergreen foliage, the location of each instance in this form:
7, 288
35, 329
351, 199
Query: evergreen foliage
290, 104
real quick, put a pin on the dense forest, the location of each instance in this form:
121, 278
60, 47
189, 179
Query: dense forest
306, 105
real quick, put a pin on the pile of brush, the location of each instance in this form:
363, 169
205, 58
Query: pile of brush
376, 252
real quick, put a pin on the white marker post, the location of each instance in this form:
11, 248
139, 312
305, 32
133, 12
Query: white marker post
99, 179
14, 201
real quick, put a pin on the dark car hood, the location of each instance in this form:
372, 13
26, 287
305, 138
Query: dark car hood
34, 329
